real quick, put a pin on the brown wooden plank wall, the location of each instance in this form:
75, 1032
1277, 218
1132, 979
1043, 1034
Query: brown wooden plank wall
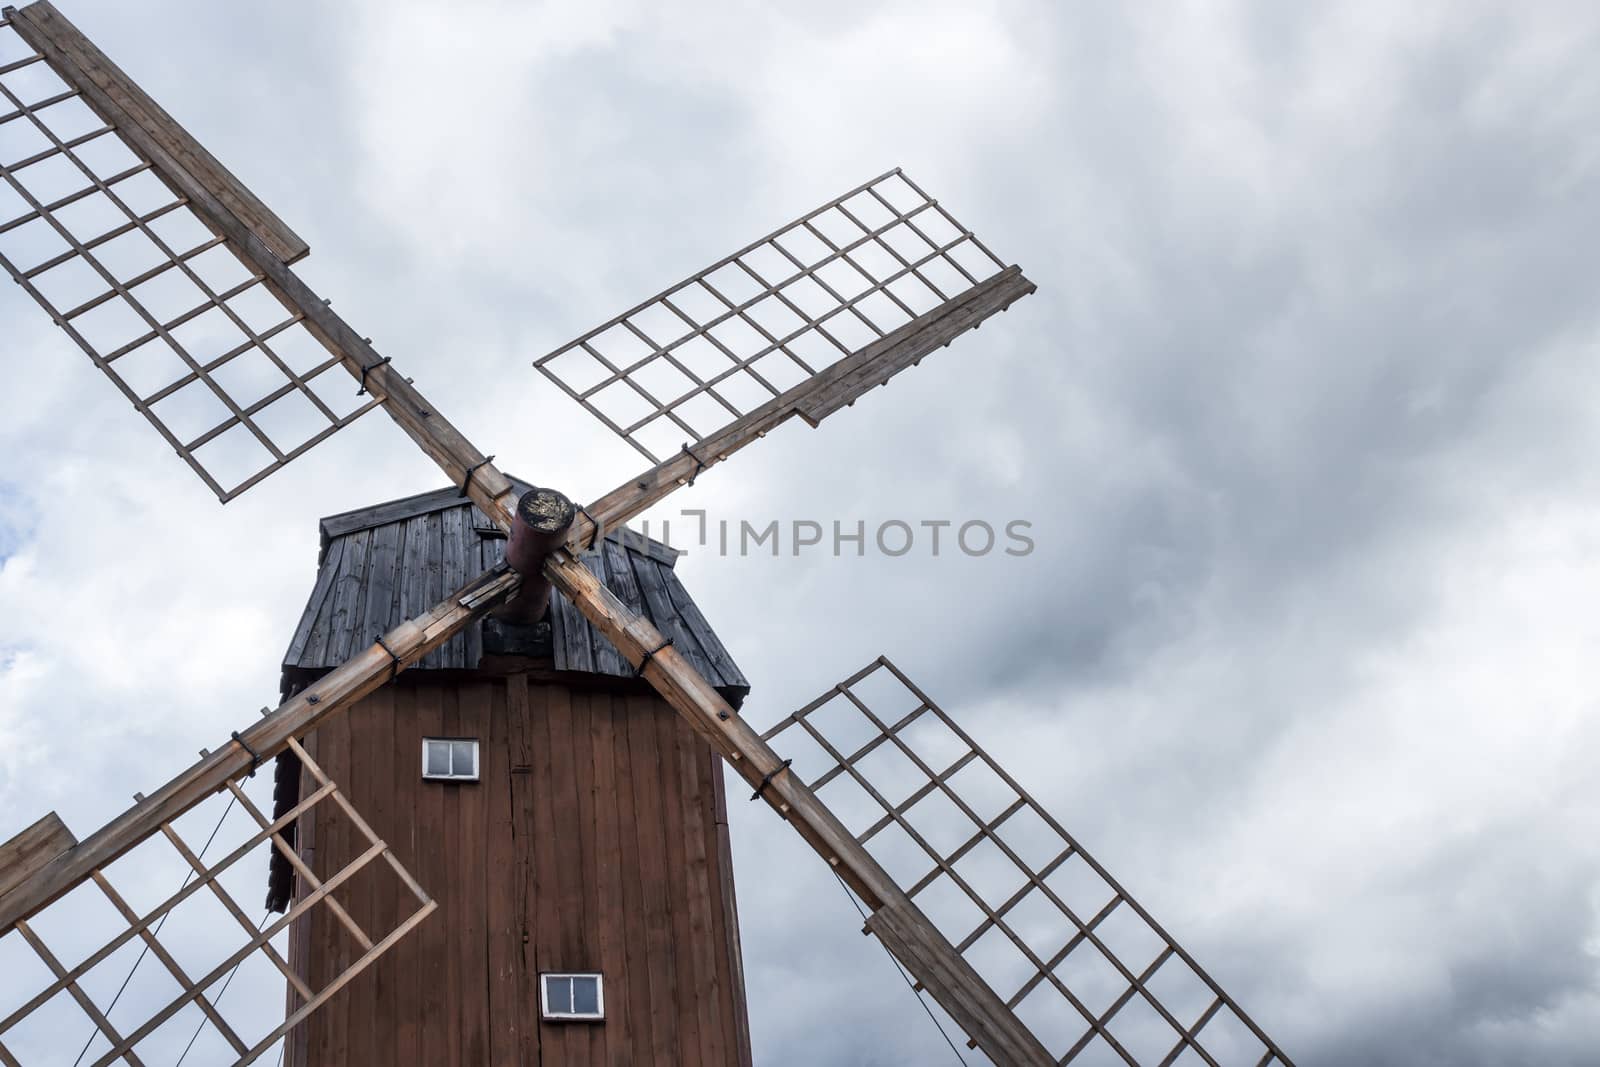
590, 843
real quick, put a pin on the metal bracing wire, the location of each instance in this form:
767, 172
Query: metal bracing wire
145, 950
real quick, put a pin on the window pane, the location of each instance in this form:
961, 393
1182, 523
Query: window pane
586, 996
558, 992
463, 759
438, 757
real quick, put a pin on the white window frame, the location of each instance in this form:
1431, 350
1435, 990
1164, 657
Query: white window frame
599, 1013
453, 776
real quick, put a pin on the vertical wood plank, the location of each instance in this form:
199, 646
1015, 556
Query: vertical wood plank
455, 532
586, 825
381, 609
607, 660
503, 1007
733, 951
519, 719
658, 604
386, 822
567, 831
359, 893
452, 849
334, 739
411, 952
608, 879
433, 587
546, 869
435, 1045
636, 946
651, 832
298, 1051
308, 631
708, 999
347, 589
665, 725
476, 872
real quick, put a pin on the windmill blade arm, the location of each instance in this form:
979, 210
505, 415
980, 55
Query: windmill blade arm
251, 232
1010, 883
919, 945
800, 322
813, 399
301, 713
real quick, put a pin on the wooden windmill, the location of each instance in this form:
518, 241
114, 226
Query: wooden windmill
170, 275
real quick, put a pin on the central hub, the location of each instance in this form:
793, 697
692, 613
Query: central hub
538, 528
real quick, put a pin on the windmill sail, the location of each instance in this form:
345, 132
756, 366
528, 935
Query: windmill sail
154, 1025
799, 322
174, 279
1067, 948
95, 228
49, 882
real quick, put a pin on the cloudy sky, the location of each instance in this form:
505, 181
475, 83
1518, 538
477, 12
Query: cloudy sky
1300, 417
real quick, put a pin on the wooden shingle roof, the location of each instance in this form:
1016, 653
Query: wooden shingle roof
380, 565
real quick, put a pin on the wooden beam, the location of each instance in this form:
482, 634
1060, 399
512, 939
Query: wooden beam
32, 849
813, 399
40, 23
950, 979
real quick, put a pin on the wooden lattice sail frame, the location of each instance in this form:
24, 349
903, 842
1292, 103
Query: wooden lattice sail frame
50, 836
42, 865
1143, 958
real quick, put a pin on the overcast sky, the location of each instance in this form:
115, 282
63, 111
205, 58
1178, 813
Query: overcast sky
1301, 417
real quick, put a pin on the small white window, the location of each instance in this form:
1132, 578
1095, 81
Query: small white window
451, 758
572, 996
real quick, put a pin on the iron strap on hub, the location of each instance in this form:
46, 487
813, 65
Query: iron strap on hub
766, 779
369, 368
666, 643
599, 532
699, 464
255, 757
467, 481
394, 664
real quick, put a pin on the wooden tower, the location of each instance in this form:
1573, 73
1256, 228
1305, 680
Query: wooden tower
568, 821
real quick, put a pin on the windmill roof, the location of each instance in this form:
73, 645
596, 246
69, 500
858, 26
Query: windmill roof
382, 564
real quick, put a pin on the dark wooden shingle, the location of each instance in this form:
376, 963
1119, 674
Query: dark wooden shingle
383, 564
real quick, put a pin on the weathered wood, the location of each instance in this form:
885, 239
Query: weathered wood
345, 522
716, 653
31, 849
653, 587
590, 802
730, 913
48, 30
957, 988
404, 838
637, 988
503, 1019
813, 399
608, 877
309, 633
695, 814
644, 758
347, 599
454, 570
606, 564
686, 957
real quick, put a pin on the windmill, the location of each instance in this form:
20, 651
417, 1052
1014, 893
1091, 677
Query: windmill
145, 251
